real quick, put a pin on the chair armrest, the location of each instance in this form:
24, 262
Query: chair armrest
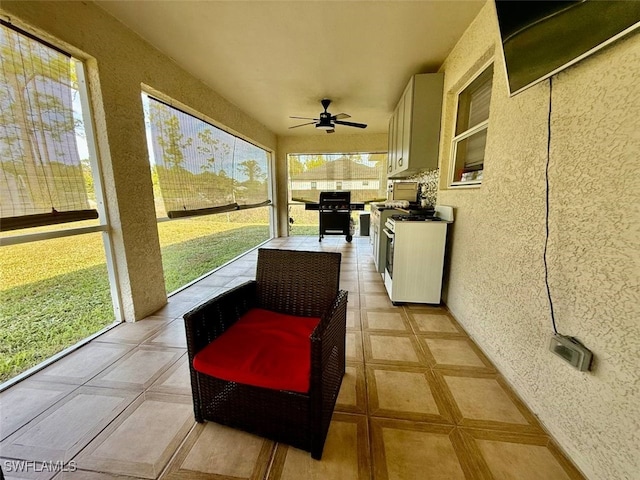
329, 332
209, 320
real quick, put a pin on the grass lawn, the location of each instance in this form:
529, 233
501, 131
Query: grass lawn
54, 293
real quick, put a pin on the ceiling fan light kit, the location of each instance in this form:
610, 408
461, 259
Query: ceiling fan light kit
327, 121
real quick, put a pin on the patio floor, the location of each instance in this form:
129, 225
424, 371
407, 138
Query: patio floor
419, 401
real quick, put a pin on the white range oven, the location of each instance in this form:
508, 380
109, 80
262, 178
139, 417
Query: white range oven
379, 215
415, 247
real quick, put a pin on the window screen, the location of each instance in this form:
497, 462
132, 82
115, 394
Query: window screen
200, 168
364, 175
41, 175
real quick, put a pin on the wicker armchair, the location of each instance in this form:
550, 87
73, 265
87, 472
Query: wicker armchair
303, 288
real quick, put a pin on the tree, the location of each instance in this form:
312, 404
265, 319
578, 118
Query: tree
168, 135
313, 161
296, 166
252, 169
208, 147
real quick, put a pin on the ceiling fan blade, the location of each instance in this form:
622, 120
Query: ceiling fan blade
351, 124
306, 118
302, 125
339, 116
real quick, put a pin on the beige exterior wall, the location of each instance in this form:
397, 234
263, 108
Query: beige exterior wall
119, 63
495, 286
317, 143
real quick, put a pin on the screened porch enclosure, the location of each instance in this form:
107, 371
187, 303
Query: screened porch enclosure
363, 174
211, 192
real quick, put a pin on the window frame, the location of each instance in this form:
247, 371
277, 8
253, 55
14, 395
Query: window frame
85, 91
457, 139
104, 226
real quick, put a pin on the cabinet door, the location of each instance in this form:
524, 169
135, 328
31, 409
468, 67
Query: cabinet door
397, 136
391, 151
407, 127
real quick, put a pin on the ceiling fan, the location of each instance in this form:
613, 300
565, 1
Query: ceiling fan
327, 121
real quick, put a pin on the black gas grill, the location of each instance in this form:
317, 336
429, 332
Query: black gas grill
334, 210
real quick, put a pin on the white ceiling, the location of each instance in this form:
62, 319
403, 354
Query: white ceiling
275, 59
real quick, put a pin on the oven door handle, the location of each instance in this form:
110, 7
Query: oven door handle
388, 233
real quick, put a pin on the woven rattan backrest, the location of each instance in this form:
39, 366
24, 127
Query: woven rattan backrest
297, 282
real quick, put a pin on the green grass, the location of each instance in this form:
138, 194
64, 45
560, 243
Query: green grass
54, 293
190, 259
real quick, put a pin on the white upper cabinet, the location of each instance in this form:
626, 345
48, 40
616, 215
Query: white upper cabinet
414, 128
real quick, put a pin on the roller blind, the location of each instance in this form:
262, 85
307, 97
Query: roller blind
41, 176
474, 102
364, 175
202, 169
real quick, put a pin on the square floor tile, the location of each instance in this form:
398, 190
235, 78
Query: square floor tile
485, 401
367, 276
138, 369
345, 455
348, 277
353, 301
351, 287
26, 400
353, 319
385, 320
392, 349
172, 335
201, 292
141, 440
433, 323
132, 332
352, 396
459, 353
85, 363
175, 307
214, 281
503, 456
349, 266
218, 452
409, 450
376, 300
406, 393
176, 380
353, 346
60, 432
372, 287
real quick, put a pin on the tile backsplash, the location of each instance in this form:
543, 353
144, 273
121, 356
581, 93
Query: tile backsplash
427, 185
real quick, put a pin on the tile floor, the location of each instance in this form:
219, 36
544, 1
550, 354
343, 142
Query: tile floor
419, 401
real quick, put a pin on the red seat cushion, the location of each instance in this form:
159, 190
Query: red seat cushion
264, 349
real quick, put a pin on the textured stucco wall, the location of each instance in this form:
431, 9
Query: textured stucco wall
119, 63
318, 142
496, 288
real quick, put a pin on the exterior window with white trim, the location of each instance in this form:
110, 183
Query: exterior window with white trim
472, 123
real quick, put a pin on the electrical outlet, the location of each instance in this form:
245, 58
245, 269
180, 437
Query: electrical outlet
571, 351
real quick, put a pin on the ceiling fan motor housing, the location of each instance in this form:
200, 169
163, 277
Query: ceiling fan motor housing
325, 121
